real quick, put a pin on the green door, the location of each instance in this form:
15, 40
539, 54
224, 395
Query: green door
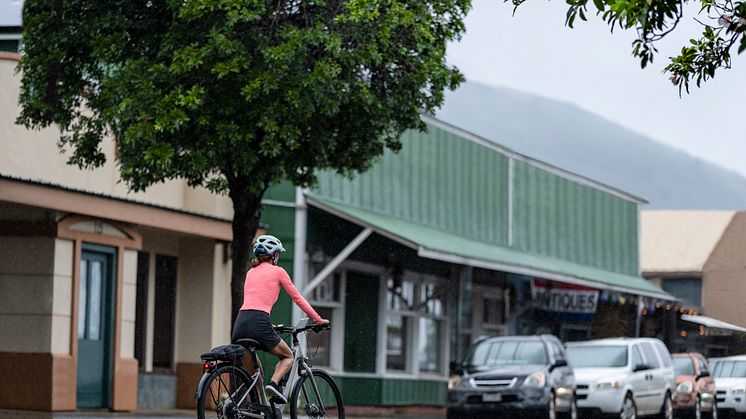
95, 306
361, 322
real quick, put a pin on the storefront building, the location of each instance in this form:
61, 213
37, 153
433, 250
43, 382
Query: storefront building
698, 257
110, 297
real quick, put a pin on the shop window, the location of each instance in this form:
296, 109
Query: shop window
319, 344
159, 318
415, 325
687, 289
493, 312
326, 300
397, 330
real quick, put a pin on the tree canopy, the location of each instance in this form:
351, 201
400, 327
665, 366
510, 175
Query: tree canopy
723, 24
235, 94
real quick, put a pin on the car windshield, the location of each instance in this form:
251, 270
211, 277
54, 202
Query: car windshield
494, 354
729, 369
683, 365
605, 356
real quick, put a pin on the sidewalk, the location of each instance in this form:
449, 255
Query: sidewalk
352, 411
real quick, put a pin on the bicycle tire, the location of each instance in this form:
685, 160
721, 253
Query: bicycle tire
203, 403
318, 375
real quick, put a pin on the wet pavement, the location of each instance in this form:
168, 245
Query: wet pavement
181, 414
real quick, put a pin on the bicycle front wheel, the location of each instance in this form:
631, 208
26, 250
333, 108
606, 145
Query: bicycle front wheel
226, 394
316, 397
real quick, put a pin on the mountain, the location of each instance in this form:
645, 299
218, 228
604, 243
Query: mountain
574, 139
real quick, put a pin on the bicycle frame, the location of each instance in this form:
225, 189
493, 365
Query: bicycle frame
300, 367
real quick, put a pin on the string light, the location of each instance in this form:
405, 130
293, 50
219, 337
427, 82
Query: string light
668, 307
683, 333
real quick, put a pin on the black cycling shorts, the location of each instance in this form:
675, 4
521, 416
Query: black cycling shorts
255, 324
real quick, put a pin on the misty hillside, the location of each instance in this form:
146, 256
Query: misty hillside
579, 141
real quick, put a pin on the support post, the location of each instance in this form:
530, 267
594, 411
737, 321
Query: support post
299, 247
341, 257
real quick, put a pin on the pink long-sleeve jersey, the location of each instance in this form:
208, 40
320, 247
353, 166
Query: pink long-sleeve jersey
262, 286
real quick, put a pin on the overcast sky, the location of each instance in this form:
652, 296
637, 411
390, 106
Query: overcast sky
594, 69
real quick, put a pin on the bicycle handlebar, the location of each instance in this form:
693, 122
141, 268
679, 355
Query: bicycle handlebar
281, 328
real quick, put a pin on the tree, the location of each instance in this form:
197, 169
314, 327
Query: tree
234, 95
723, 21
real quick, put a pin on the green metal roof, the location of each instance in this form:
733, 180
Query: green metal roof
438, 244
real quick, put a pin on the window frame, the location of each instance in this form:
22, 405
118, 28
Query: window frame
336, 338
412, 368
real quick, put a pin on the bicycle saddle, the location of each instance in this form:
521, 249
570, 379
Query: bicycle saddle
249, 344
224, 353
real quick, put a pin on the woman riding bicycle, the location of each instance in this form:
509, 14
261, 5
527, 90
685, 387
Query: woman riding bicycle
261, 288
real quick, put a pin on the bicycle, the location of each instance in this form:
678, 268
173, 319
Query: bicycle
228, 391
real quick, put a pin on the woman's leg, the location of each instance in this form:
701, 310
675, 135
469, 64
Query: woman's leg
282, 351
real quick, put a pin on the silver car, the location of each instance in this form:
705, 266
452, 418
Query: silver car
626, 377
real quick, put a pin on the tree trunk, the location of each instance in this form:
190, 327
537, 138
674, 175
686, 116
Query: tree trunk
246, 213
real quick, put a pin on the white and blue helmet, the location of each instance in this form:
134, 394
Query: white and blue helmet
268, 245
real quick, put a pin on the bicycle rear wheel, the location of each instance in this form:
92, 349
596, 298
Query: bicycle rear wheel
226, 392
307, 403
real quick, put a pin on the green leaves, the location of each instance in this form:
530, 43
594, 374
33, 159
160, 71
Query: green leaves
213, 90
723, 25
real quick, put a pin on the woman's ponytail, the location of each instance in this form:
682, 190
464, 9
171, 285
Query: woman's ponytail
260, 259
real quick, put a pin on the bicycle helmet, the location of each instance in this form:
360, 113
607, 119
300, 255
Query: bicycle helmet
268, 245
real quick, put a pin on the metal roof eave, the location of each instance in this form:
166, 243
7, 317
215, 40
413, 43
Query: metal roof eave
425, 252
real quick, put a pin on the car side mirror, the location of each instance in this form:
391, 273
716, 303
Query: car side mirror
703, 374
456, 368
641, 367
559, 363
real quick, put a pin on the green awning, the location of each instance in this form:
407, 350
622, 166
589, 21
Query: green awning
436, 244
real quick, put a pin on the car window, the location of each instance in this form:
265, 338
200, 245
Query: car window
597, 356
683, 365
702, 365
493, 354
636, 357
648, 352
730, 369
664, 354
557, 352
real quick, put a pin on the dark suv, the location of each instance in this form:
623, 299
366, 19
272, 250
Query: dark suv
523, 375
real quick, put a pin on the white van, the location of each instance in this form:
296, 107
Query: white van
730, 381
627, 377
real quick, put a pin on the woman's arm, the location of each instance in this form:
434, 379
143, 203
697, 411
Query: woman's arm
289, 287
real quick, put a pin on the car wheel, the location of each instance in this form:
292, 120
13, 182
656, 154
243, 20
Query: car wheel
667, 408
629, 409
552, 408
714, 411
572, 412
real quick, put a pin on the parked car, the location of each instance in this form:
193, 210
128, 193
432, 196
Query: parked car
519, 376
626, 377
695, 387
730, 380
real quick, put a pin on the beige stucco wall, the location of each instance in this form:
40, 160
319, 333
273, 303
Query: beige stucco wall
221, 298
724, 280
194, 298
129, 304
34, 155
27, 300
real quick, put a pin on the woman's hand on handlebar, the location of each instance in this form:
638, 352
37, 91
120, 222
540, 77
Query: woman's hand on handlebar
324, 324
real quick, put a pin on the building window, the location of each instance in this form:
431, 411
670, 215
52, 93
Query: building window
326, 299
688, 289
415, 322
155, 311
165, 311
141, 306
